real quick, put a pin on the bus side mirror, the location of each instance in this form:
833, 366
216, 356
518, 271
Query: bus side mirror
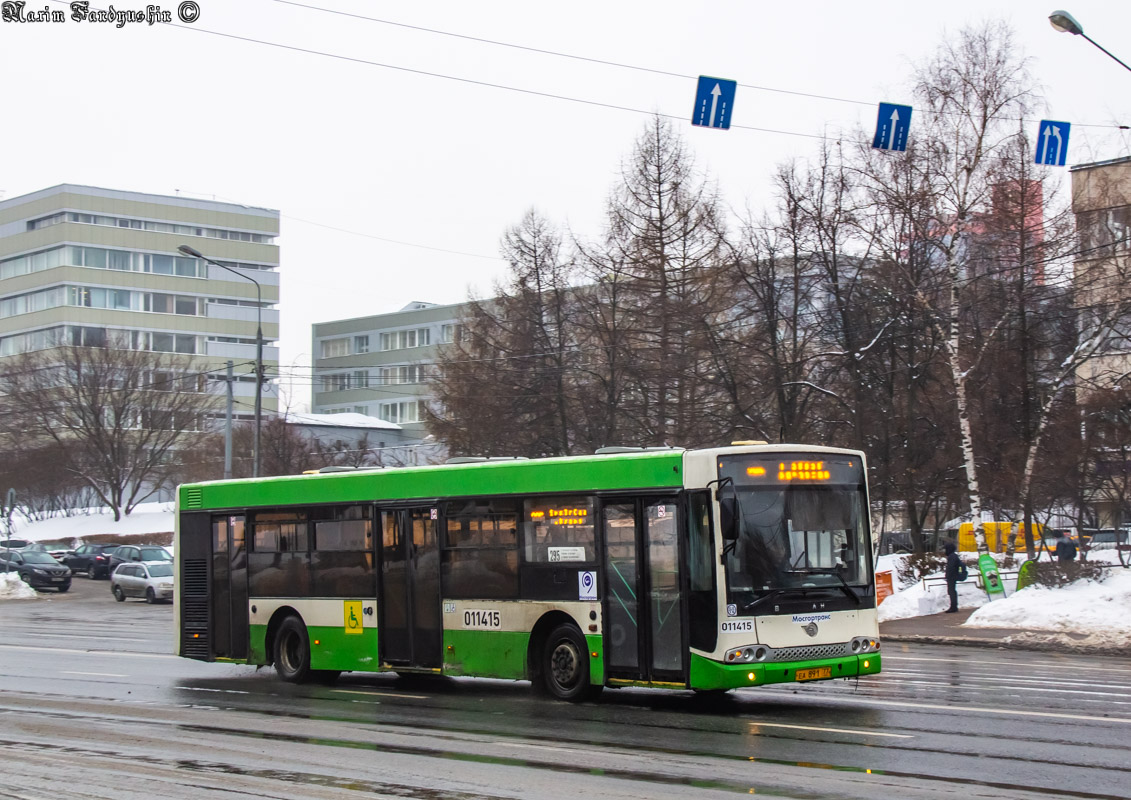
728, 512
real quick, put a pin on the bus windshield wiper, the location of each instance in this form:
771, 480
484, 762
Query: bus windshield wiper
801, 590
746, 609
844, 585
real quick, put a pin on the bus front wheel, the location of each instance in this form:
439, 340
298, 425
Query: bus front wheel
292, 651
565, 664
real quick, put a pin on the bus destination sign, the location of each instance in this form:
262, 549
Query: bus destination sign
791, 469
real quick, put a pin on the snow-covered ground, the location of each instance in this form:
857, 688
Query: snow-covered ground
146, 518
1098, 611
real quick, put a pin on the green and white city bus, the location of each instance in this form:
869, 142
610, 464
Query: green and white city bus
693, 569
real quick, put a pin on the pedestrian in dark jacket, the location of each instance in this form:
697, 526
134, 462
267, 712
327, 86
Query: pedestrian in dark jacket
952, 564
1065, 549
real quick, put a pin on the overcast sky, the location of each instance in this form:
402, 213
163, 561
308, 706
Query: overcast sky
358, 157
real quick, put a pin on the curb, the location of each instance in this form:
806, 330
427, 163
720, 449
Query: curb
1032, 641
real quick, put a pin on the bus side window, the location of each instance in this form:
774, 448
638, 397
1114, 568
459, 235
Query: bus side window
480, 548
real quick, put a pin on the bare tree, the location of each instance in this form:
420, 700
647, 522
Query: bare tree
505, 386
654, 288
114, 415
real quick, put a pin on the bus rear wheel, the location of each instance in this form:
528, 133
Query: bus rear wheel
292, 651
565, 664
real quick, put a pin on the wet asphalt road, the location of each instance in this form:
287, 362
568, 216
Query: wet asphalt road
92, 705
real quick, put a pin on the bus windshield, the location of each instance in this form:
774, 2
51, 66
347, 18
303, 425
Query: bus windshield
802, 524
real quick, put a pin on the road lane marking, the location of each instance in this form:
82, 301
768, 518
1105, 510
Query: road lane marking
125, 653
1118, 690
1012, 712
888, 656
830, 730
79, 636
383, 694
97, 674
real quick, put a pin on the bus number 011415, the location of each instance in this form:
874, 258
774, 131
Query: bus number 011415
481, 619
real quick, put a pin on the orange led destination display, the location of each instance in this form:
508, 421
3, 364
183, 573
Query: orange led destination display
562, 516
791, 468
796, 470
803, 470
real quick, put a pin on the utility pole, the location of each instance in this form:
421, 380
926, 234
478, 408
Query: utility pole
228, 427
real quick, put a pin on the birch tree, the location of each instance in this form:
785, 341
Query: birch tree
966, 94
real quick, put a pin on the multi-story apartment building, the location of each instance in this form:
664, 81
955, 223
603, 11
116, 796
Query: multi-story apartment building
1101, 201
378, 365
83, 265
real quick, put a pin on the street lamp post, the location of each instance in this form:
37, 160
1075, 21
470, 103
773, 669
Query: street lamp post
189, 251
1065, 23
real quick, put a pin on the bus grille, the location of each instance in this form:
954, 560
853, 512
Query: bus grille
194, 608
812, 652
194, 577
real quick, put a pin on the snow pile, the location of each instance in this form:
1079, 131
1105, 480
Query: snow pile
1090, 611
12, 588
146, 518
1084, 607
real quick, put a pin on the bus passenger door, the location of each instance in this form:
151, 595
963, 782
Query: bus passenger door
643, 612
410, 627
229, 588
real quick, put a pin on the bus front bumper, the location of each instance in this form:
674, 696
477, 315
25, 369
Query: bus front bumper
708, 674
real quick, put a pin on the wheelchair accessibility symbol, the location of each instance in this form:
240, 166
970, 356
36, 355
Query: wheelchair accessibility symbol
353, 612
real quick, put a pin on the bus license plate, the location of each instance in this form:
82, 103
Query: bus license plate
813, 674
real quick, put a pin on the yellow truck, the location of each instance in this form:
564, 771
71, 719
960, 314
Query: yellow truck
997, 536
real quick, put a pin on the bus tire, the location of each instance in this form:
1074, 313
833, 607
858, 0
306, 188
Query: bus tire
292, 651
565, 664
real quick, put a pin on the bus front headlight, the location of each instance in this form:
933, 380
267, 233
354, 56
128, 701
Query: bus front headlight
747, 654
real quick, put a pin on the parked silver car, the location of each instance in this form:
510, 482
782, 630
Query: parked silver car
152, 580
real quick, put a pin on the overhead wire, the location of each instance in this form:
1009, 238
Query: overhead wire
610, 63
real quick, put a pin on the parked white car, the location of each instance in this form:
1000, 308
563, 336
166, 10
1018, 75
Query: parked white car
152, 580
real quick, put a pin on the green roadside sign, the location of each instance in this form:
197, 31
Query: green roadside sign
1026, 576
991, 579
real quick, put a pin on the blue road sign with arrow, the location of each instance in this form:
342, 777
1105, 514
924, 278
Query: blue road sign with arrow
714, 101
892, 125
1052, 143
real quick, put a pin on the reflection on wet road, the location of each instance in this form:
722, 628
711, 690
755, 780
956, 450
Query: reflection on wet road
92, 705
